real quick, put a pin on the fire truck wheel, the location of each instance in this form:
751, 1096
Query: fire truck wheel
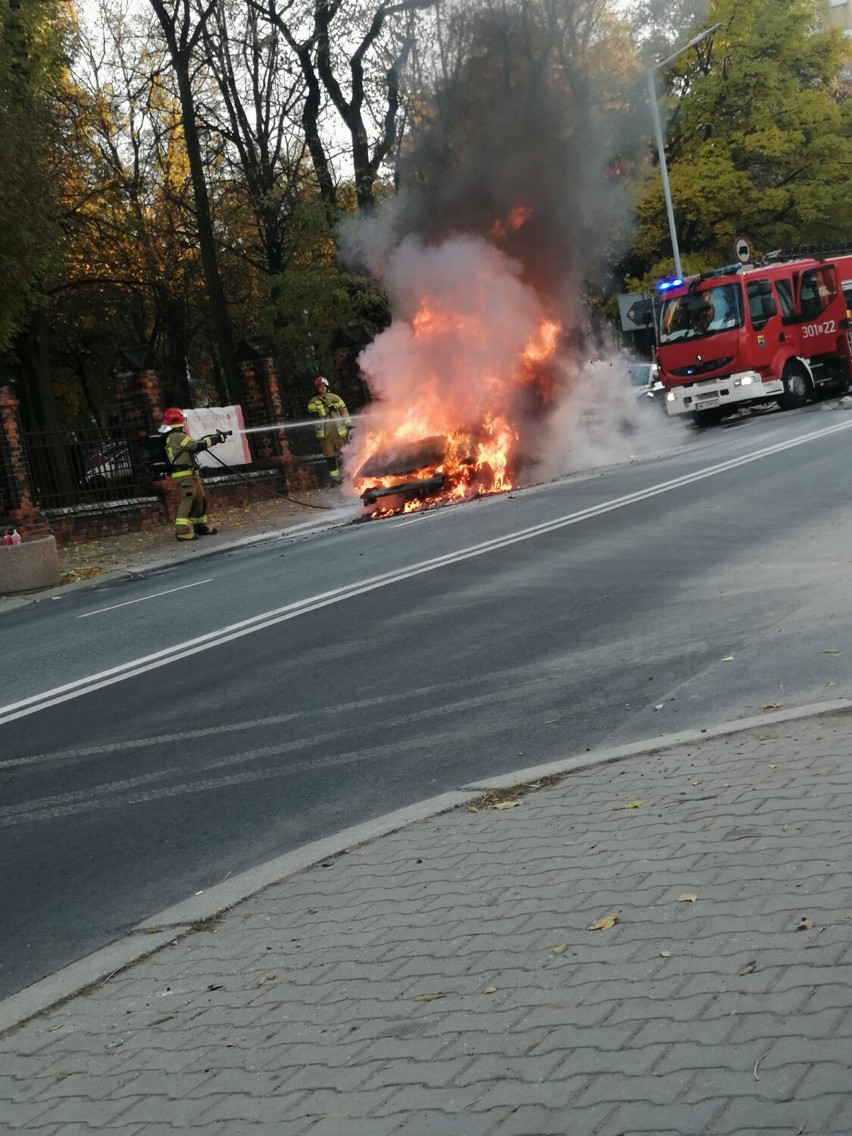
797, 386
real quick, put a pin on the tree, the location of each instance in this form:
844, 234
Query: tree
183, 28
760, 143
262, 90
131, 272
335, 54
33, 70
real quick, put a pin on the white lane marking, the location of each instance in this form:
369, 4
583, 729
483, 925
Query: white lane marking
154, 741
325, 599
144, 599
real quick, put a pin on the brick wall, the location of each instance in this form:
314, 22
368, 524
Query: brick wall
158, 511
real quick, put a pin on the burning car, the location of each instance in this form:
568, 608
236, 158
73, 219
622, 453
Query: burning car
405, 473
432, 471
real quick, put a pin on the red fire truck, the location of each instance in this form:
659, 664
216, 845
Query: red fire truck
773, 331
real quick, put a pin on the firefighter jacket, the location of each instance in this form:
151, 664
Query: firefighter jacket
181, 451
332, 409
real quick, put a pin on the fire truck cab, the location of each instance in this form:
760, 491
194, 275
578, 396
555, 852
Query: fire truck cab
742, 335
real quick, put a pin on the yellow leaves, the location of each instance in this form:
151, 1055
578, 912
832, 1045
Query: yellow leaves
749, 968
728, 659
561, 949
805, 924
687, 897
490, 990
605, 922
72, 575
505, 804
632, 805
428, 997
266, 978
772, 705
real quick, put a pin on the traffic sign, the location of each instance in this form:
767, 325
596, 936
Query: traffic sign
743, 250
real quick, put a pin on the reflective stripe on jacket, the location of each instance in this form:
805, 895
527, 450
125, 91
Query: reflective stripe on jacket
330, 405
181, 451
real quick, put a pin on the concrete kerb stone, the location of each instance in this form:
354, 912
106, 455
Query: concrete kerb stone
562, 767
159, 931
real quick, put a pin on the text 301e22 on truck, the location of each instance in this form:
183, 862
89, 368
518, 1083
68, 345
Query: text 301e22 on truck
775, 331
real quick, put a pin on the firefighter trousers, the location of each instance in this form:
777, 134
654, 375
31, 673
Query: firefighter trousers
191, 518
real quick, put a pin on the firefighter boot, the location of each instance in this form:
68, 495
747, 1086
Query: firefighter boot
183, 529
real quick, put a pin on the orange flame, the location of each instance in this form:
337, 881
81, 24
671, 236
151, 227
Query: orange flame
454, 381
518, 217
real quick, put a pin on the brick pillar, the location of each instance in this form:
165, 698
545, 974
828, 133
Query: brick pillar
140, 408
16, 504
262, 405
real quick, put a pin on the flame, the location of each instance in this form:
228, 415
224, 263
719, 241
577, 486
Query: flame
453, 382
518, 217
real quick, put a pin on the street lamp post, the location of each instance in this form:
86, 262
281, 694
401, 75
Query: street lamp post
658, 133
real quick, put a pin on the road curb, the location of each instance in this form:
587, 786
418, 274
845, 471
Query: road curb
181, 919
564, 766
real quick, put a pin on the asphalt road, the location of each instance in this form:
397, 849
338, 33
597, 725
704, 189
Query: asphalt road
159, 735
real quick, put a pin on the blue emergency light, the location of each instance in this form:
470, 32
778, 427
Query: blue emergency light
665, 285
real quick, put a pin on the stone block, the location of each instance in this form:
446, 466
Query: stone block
28, 566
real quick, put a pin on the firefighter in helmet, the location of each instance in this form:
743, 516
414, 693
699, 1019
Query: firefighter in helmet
333, 427
181, 451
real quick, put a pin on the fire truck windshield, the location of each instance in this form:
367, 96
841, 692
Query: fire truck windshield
701, 313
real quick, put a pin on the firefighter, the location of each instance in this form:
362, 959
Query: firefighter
333, 430
181, 451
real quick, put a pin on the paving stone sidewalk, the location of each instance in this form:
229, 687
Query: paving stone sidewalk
445, 979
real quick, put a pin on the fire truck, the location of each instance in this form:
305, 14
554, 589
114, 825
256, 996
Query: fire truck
773, 331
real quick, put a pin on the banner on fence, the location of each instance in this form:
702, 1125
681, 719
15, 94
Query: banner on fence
209, 419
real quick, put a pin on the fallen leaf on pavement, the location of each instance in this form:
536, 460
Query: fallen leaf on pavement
632, 805
428, 997
604, 923
561, 949
728, 659
749, 968
505, 804
772, 705
805, 924
687, 897
490, 989
266, 978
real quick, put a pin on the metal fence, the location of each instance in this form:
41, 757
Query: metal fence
67, 468
85, 467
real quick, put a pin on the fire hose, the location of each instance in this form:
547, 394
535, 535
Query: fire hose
220, 435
